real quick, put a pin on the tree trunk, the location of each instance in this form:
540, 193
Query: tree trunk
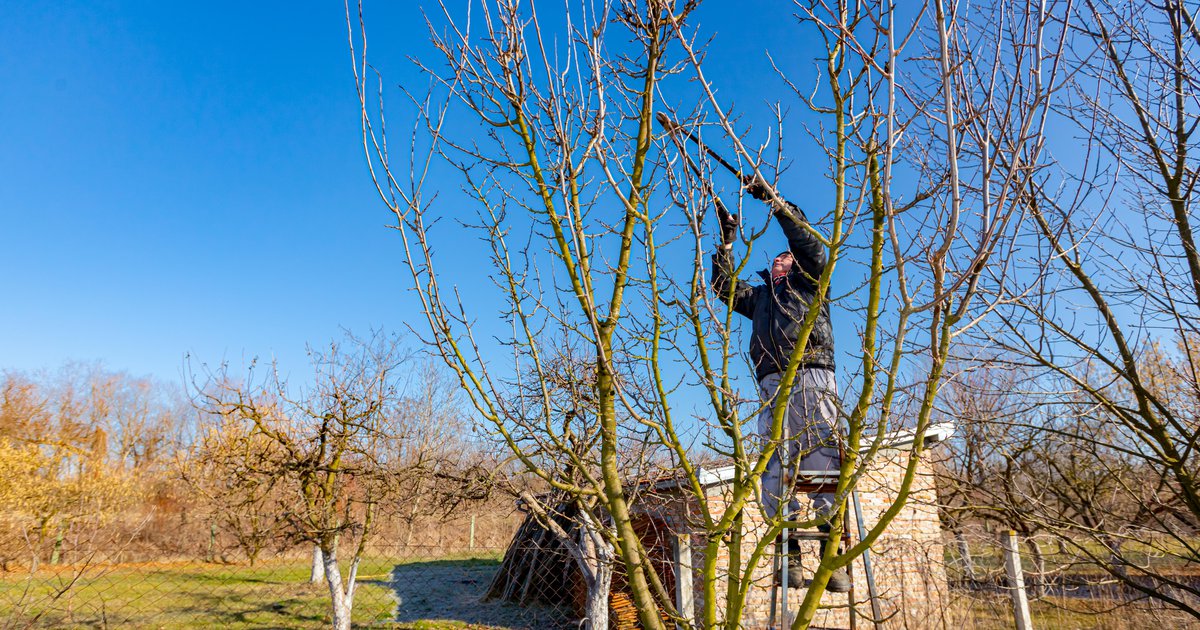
1116, 561
598, 587
212, 542
615, 499
964, 552
341, 603
56, 554
40, 546
595, 560
316, 574
412, 514
1039, 566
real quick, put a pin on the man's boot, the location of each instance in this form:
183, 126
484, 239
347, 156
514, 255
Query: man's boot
839, 582
795, 572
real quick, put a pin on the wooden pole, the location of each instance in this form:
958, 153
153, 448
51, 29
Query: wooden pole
471, 544
1016, 581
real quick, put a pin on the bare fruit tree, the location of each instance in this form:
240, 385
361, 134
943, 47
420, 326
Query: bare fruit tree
1103, 306
324, 452
538, 137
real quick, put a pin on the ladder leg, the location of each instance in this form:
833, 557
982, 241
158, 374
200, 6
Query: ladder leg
850, 572
785, 620
775, 567
868, 570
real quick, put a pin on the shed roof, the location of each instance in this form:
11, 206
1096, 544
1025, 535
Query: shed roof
898, 439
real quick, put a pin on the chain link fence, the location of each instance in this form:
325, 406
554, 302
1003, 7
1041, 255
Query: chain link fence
1066, 584
158, 569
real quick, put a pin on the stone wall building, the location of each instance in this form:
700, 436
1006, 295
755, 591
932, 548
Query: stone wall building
907, 559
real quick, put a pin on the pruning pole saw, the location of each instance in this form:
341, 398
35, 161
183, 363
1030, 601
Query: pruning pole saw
674, 129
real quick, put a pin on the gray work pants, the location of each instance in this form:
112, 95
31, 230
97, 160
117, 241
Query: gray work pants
810, 426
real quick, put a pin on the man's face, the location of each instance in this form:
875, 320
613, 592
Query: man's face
781, 265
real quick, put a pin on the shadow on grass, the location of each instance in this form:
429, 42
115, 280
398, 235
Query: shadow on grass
175, 601
224, 608
452, 591
256, 610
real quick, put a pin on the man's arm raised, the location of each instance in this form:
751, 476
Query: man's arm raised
722, 270
806, 248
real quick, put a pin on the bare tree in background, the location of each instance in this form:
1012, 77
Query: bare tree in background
443, 466
567, 385
931, 128
68, 486
329, 446
103, 439
231, 471
992, 473
1106, 298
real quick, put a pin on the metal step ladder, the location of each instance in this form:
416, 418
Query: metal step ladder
812, 482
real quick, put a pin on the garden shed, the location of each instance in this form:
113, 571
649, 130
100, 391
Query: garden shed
907, 560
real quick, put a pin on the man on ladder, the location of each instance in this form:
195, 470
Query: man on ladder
776, 309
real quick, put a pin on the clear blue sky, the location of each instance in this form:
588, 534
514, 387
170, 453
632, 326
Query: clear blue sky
187, 177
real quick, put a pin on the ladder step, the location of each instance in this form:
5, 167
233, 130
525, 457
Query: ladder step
808, 535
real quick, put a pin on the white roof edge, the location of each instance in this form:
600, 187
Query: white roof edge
899, 438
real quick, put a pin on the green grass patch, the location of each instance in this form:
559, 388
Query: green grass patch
271, 594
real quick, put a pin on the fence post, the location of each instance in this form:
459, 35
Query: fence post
684, 596
471, 544
1016, 581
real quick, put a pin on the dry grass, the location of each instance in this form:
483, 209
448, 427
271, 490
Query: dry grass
990, 611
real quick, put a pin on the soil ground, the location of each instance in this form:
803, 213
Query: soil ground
452, 591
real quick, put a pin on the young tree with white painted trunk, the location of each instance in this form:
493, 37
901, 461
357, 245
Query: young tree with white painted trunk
325, 450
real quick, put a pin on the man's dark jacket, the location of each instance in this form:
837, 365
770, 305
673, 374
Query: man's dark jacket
777, 310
